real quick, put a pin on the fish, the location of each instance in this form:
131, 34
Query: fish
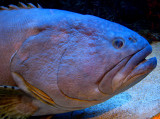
56, 61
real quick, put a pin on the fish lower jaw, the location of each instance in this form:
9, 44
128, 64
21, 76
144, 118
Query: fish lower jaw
144, 67
115, 81
136, 75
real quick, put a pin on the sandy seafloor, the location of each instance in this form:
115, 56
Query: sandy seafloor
142, 101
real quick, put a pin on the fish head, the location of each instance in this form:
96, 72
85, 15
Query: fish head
107, 62
86, 62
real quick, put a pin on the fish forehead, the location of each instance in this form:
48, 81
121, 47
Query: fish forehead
98, 28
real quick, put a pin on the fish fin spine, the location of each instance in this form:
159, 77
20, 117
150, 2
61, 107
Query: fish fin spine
20, 6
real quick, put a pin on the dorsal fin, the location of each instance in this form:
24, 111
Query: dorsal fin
20, 6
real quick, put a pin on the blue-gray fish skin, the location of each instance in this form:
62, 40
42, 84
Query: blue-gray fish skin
65, 61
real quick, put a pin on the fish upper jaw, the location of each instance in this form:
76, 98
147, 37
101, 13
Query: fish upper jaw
128, 72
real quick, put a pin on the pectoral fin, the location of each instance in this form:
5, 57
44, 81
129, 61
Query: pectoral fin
37, 93
15, 104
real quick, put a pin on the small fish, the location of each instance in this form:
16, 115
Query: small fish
56, 61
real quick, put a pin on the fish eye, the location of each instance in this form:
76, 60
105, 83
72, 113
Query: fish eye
118, 43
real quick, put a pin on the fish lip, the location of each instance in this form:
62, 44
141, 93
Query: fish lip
110, 83
137, 74
137, 66
144, 67
137, 58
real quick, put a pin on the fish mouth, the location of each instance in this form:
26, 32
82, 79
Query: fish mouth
128, 72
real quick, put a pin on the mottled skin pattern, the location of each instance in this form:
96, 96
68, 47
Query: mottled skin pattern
77, 60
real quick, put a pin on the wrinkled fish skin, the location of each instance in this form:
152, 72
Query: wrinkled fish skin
68, 61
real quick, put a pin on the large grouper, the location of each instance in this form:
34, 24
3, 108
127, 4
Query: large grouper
55, 61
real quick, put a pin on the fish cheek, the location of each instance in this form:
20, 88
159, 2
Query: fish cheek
79, 70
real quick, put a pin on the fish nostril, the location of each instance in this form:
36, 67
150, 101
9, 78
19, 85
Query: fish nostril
118, 43
133, 39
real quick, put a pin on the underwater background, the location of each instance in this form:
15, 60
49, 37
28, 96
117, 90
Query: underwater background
142, 16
